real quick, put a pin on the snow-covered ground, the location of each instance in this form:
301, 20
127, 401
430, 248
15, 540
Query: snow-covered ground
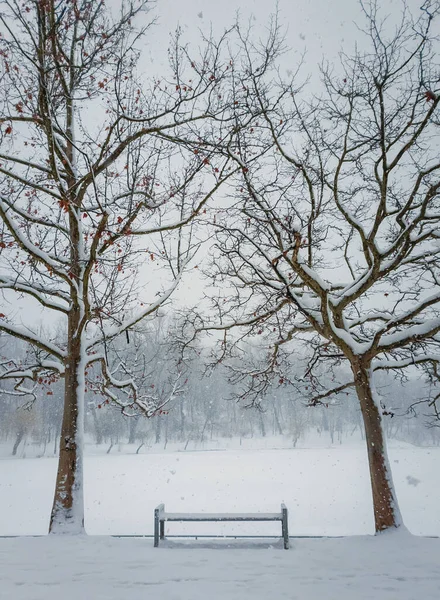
394, 567
327, 490
327, 493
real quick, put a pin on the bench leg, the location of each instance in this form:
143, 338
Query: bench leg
156, 527
162, 529
285, 527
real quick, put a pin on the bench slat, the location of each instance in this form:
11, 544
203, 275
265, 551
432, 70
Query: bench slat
221, 516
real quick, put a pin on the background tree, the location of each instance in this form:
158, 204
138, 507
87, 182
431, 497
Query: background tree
100, 170
332, 238
206, 414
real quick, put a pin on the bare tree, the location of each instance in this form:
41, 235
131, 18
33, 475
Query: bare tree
333, 243
101, 171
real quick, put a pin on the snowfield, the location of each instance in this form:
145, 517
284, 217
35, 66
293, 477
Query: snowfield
393, 567
325, 489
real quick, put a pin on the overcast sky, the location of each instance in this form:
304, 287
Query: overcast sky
317, 26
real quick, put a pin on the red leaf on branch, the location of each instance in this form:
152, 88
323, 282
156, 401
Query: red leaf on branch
64, 204
430, 96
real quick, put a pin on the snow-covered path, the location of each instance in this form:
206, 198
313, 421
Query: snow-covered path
391, 567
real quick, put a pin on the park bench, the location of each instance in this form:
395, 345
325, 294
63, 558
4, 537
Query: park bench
160, 516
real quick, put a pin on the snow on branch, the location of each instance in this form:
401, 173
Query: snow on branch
390, 364
420, 331
38, 292
28, 336
136, 403
317, 399
24, 242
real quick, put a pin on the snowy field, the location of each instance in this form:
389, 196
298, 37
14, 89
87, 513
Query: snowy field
327, 490
394, 567
327, 493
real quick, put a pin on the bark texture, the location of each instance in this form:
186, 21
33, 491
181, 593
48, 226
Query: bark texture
386, 510
68, 506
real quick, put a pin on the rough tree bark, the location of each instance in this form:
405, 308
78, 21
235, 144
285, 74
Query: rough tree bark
386, 508
67, 514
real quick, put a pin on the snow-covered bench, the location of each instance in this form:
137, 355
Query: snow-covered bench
160, 516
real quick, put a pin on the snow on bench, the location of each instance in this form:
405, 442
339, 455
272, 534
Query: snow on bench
160, 516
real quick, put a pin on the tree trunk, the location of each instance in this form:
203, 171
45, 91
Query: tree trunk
97, 426
18, 438
205, 425
68, 505
132, 426
182, 420
166, 434
385, 505
158, 428
277, 419
262, 427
